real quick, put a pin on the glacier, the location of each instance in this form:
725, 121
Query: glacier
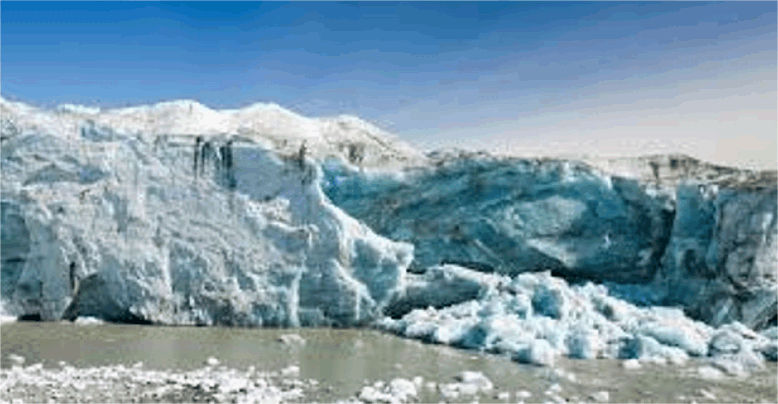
179, 229
182, 215
668, 230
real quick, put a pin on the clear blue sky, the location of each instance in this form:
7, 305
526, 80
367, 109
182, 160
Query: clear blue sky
570, 77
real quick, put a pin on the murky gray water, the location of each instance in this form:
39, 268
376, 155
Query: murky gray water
346, 360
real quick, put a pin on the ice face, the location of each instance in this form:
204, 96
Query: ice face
720, 262
705, 243
511, 216
140, 227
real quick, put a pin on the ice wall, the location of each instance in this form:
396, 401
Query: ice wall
513, 215
721, 260
706, 241
132, 227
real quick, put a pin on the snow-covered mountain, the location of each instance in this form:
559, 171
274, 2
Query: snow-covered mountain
179, 214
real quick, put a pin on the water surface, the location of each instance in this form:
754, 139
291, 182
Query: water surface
345, 360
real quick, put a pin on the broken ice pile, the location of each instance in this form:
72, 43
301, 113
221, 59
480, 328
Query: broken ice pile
534, 318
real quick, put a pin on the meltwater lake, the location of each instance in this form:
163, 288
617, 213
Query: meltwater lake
342, 362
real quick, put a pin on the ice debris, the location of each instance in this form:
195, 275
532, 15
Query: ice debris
601, 396
124, 384
16, 359
395, 392
631, 364
477, 379
291, 339
535, 317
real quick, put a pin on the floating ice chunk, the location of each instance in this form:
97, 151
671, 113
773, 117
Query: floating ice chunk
402, 389
16, 359
707, 394
370, 394
212, 361
477, 379
601, 396
89, 321
291, 339
397, 391
229, 385
291, 371
523, 394
449, 391
467, 389
4, 319
631, 364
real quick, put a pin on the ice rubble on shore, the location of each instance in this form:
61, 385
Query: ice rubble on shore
118, 383
535, 318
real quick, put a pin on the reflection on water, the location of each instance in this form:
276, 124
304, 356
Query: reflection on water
345, 359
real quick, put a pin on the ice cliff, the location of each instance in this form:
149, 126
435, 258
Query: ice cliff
130, 224
662, 230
